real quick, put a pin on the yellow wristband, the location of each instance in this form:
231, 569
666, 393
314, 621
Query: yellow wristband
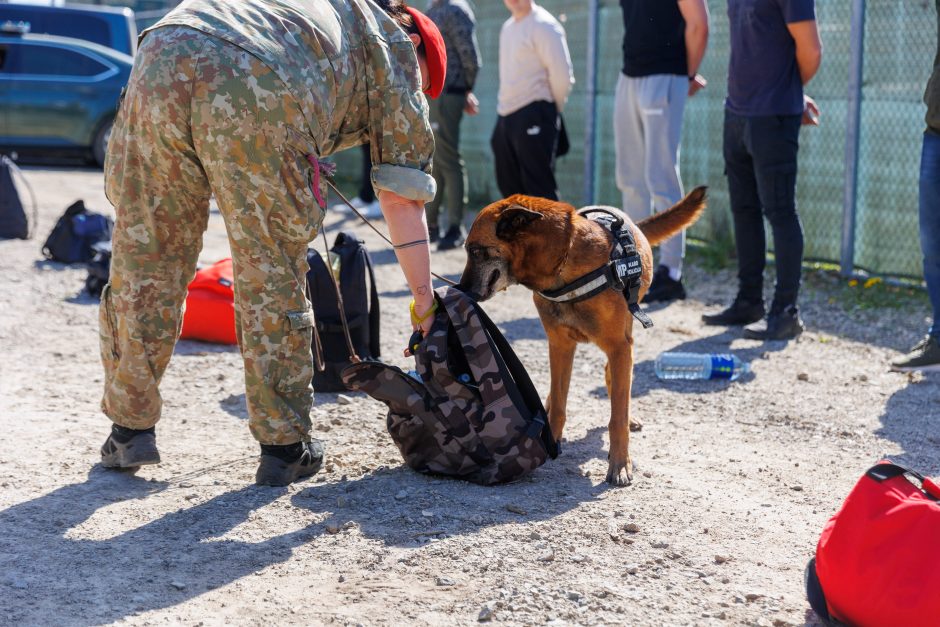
427, 314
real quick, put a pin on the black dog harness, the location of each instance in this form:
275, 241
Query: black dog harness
622, 273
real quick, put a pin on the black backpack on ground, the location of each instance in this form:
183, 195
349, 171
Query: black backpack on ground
99, 269
75, 233
360, 300
13, 222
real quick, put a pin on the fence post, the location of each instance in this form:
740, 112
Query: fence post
590, 109
853, 137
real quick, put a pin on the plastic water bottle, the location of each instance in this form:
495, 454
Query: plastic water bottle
700, 366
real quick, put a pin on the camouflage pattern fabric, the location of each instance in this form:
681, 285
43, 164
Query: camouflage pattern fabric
351, 69
202, 116
464, 418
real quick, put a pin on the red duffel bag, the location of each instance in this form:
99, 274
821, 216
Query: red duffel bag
210, 305
878, 561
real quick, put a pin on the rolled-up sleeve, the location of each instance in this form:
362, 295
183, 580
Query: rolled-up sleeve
400, 137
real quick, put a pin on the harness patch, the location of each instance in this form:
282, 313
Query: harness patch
621, 273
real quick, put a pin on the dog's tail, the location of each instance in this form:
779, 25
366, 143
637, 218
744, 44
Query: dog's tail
663, 225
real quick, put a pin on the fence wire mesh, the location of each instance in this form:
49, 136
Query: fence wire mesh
899, 44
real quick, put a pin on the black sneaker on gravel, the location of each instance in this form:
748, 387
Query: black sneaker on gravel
780, 324
924, 356
740, 312
283, 465
129, 449
664, 288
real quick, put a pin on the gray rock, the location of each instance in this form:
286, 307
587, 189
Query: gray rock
445, 581
486, 614
179, 585
342, 399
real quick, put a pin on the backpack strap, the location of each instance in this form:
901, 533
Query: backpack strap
889, 470
375, 349
505, 366
508, 359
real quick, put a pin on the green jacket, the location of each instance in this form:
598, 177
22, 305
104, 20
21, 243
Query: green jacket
349, 66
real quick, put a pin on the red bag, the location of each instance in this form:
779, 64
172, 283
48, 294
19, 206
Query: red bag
878, 560
210, 305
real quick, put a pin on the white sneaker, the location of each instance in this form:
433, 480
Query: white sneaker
342, 207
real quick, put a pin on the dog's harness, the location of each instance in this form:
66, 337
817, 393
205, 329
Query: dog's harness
622, 273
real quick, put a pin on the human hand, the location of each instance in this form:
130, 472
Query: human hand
422, 317
696, 84
472, 105
810, 112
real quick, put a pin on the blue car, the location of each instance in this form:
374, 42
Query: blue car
58, 94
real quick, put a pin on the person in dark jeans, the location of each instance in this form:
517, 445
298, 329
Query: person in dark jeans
925, 355
775, 50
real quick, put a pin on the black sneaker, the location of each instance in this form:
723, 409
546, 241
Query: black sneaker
452, 239
740, 312
664, 288
129, 449
780, 324
283, 465
924, 356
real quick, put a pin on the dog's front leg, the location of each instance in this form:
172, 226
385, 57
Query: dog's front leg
620, 362
561, 350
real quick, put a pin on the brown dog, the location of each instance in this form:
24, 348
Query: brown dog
544, 245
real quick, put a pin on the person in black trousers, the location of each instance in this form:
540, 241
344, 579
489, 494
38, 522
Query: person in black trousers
775, 50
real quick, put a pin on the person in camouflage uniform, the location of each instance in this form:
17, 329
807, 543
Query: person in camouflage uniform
238, 100
456, 21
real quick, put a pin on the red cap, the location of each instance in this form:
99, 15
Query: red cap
434, 51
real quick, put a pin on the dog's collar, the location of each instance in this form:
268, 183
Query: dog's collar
622, 273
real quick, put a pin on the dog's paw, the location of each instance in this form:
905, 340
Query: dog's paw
620, 474
636, 424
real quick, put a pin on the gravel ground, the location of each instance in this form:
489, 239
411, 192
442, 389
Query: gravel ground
734, 480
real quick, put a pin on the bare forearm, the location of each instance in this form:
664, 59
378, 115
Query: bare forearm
696, 40
409, 232
695, 15
808, 61
808, 48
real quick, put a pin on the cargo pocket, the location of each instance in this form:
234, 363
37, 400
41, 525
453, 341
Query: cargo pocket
295, 366
107, 330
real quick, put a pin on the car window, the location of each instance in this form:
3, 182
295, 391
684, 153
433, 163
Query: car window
44, 60
63, 23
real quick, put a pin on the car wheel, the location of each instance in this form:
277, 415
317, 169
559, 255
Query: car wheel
100, 146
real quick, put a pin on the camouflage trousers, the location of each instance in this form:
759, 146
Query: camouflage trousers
202, 117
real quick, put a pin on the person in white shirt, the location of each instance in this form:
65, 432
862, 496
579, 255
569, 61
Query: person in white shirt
535, 79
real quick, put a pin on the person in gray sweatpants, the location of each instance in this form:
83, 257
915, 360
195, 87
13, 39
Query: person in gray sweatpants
663, 45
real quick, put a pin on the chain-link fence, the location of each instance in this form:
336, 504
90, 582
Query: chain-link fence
899, 44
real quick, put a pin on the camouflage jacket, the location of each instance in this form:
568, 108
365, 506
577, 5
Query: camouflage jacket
457, 24
351, 69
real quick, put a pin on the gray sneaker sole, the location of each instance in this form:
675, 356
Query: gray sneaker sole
140, 451
926, 368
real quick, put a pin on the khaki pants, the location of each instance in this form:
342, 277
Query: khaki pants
449, 170
204, 117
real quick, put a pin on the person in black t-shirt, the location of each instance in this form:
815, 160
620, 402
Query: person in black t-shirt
663, 44
775, 50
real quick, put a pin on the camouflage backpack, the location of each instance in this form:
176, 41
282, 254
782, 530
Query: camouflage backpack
472, 411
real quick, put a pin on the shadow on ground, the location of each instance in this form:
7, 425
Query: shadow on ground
181, 555
911, 419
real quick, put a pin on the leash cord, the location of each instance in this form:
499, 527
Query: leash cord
373, 227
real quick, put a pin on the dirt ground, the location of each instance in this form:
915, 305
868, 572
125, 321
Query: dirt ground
734, 480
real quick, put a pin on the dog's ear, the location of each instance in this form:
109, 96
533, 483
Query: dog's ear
513, 219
